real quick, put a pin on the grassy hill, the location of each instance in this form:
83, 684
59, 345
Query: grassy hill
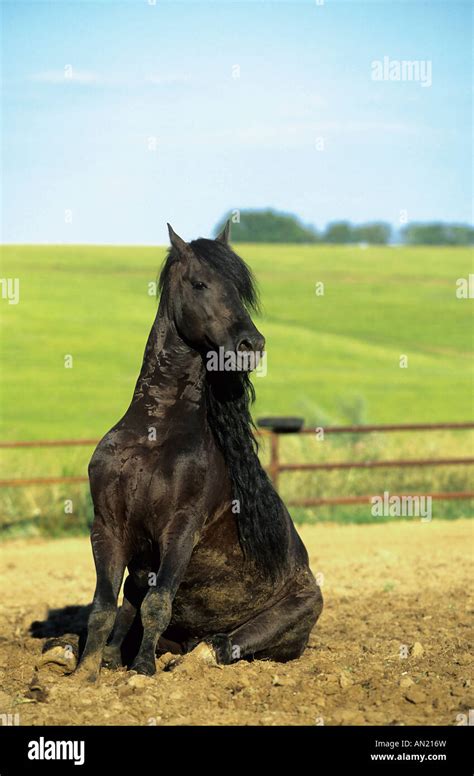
328, 356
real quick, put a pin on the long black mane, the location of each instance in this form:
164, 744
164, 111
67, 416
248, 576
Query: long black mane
263, 531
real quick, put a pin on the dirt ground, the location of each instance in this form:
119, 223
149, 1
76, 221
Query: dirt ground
394, 645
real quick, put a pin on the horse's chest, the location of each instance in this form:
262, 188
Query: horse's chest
167, 477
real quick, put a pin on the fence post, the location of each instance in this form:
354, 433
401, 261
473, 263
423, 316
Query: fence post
274, 467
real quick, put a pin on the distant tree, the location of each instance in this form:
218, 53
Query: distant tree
272, 226
438, 233
460, 234
268, 226
339, 232
376, 233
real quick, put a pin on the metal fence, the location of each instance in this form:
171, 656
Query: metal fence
275, 467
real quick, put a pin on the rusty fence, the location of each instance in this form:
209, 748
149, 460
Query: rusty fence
275, 467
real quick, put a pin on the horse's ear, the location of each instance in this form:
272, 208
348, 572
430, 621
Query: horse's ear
178, 243
224, 236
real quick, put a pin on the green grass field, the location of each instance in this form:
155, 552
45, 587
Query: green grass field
331, 358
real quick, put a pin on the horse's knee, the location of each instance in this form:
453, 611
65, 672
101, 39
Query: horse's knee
291, 644
156, 609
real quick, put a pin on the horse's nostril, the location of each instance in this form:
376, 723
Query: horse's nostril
245, 345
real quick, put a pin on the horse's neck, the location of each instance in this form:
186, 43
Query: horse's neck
172, 373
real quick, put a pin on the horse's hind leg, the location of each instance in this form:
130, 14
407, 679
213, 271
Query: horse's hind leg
279, 633
110, 566
132, 600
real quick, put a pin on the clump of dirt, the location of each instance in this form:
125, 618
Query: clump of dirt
394, 645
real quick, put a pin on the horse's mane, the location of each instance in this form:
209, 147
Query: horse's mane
263, 530
220, 258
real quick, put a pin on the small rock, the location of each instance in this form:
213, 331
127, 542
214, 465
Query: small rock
282, 681
36, 691
212, 697
344, 680
138, 681
405, 681
417, 650
237, 685
415, 695
124, 691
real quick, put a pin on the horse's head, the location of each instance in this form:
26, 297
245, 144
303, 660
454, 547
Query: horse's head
210, 291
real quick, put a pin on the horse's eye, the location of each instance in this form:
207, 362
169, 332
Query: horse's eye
198, 286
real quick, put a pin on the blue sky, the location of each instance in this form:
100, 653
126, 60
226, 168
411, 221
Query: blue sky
149, 124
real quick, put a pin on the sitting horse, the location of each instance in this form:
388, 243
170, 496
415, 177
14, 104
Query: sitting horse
180, 497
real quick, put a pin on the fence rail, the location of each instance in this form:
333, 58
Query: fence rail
275, 467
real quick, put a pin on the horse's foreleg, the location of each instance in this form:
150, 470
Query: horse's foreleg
157, 605
110, 566
278, 633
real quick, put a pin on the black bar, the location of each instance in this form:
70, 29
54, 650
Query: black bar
110, 750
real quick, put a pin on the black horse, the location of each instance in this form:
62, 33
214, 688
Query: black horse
180, 497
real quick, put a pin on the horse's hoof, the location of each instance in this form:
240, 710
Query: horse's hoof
222, 648
145, 667
87, 677
87, 674
112, 659
59, 655
204, 653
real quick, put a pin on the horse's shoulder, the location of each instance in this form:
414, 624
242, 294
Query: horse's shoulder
111, 448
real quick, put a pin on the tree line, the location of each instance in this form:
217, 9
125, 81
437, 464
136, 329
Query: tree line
274, 227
